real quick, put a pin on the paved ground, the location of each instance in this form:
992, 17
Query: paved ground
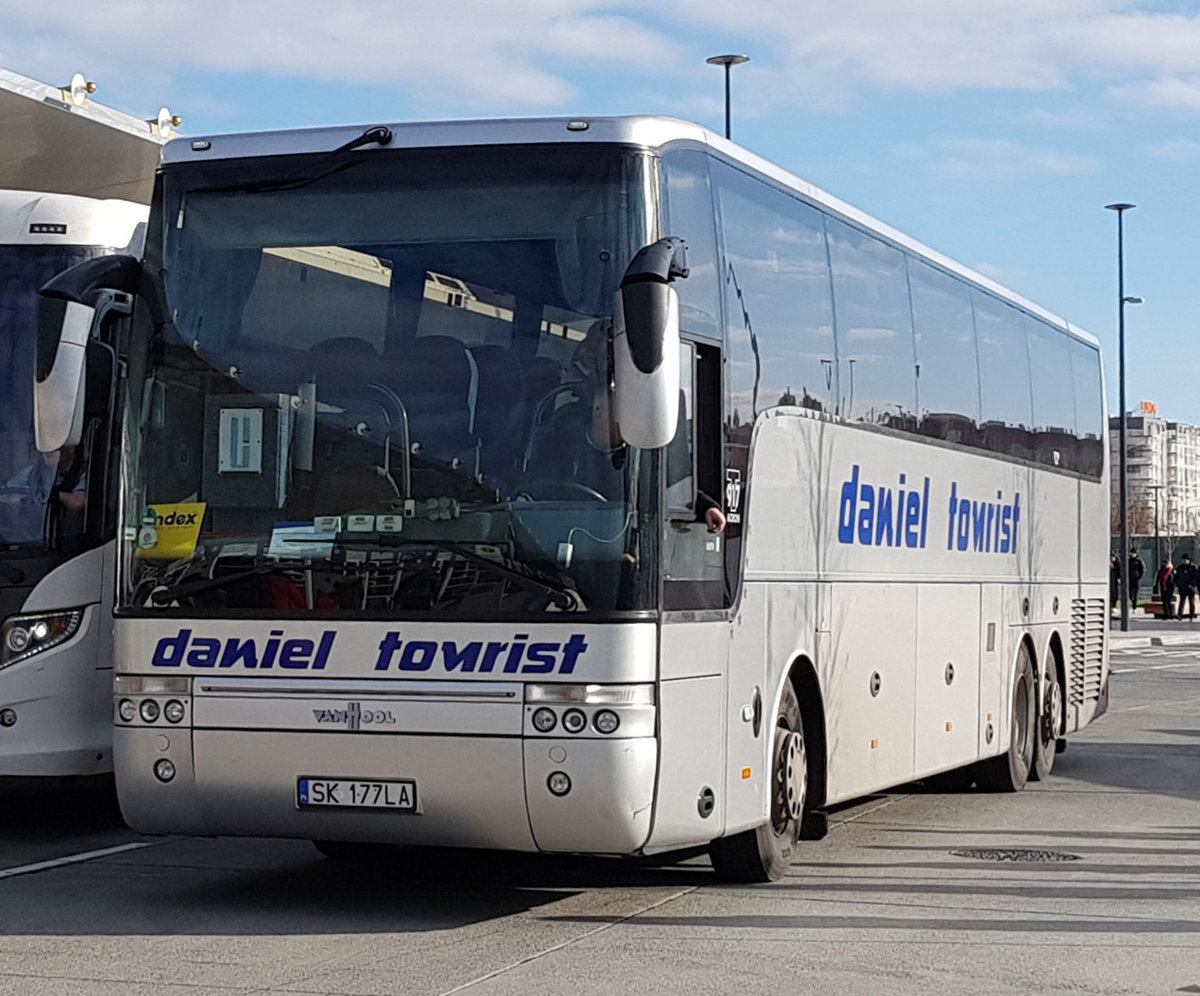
912, 892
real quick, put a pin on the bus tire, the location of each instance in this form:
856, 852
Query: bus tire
764, 853
1049, 723
1010, 771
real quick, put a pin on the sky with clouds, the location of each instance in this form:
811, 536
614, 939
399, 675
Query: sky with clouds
995, 131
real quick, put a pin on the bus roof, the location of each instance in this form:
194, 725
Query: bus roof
648, 131
54, 145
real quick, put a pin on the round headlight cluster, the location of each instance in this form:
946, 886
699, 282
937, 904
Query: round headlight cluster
574, 721
173, 711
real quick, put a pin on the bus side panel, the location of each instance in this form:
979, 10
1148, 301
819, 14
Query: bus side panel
992, 643
690, 802
947, 720
870, 684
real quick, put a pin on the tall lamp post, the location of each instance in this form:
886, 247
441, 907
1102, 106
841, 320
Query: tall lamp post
1156, 488
727, 61
1122, 300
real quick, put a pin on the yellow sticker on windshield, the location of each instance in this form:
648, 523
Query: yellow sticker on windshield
170, 532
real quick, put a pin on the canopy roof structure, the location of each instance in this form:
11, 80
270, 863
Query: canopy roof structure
56, 139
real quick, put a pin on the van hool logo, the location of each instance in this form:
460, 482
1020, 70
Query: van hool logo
355, 717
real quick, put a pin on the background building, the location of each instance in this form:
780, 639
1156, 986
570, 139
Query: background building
1163, 469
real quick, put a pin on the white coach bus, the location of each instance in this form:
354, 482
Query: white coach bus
75, 178
395, 569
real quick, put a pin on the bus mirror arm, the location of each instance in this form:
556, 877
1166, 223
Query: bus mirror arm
646, 345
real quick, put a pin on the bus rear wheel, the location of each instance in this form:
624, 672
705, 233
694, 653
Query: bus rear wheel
1049, 724
764, 853
1010, 771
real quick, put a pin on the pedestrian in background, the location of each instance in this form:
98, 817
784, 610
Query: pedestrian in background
1136, 570
1187, 577
1166, 589
1114, 580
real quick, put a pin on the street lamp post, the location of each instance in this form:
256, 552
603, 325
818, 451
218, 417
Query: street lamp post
1123, 501
1156, 488
727, 61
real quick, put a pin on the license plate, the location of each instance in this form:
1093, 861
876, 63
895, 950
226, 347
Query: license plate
399, 795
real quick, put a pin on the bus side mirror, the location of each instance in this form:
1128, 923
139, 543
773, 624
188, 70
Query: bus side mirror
67, 312
646, 346
63, 330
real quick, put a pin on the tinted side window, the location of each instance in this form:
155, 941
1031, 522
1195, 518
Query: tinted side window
877, 368
689, 215
1089, 407
947, 363
781, 349
1053, 399
1003, 377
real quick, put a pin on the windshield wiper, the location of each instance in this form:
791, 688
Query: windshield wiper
561, 596
186, 589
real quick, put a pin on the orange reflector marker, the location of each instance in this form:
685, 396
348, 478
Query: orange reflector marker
989, 717
874, 744
745, 772
949, 727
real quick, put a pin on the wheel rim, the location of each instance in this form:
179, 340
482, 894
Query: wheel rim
1052, 713
791, 778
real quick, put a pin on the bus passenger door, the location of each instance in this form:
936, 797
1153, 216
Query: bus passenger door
693, 654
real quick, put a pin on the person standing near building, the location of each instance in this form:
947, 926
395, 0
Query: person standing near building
1166, 589
1114, 581
1186, 578
1136, 570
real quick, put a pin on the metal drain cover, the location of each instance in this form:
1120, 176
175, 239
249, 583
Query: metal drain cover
1022, 854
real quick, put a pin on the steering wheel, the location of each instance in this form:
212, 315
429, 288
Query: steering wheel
567, 486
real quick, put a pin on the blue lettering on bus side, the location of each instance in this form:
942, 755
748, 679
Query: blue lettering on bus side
883, 515
897, 515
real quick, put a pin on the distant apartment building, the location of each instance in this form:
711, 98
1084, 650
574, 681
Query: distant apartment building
1163, 471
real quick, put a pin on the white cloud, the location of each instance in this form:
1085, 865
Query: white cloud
523, 55
994, 159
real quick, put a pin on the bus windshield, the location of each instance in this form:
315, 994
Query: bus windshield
29, 481
383, 385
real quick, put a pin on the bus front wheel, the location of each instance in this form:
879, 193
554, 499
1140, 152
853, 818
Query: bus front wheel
1010, 771
764, 853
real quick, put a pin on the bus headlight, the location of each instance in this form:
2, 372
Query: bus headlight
24, 636
127, 710
149, 710
574, 721
544, 720
559, 783
164, 769
173, 711
606, 721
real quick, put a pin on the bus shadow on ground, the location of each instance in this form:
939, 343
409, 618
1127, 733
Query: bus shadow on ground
285, 888
54, 806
